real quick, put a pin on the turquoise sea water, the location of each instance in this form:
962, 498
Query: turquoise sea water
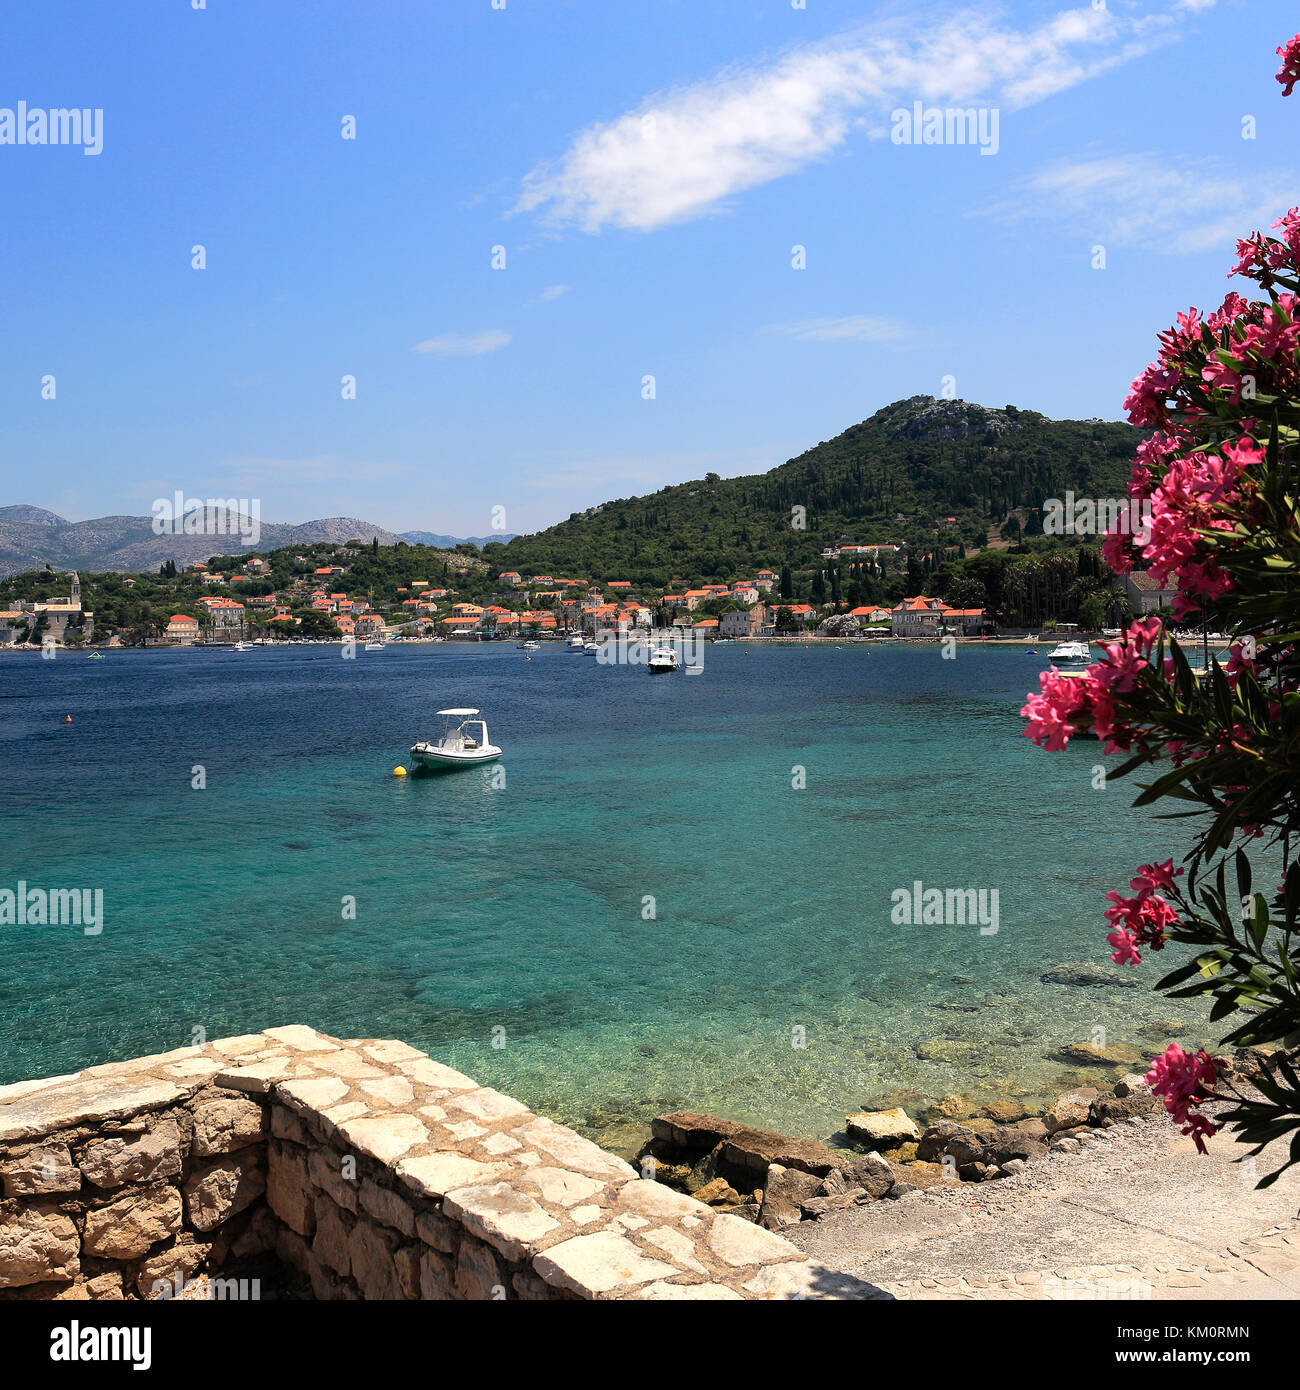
515, 915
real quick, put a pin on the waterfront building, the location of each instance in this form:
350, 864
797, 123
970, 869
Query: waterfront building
182, 630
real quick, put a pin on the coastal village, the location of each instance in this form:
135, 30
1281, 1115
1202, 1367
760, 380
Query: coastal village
330, 595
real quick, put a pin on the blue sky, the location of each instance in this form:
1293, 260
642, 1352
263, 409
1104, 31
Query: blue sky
633, 246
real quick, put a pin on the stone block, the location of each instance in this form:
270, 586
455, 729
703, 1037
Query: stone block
600, 1263
218, 1190
509, 1220
478, 1277
226, 1124
288, 1189
40, 1171
153, 1157
129, 1227
38, 1245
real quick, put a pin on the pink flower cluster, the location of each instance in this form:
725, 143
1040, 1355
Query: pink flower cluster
1187, 501
1065, 702
1183, 1081
1289, 73
1141, 920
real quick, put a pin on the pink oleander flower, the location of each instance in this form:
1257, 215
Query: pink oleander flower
1275, 337
1252, 255
1118, 550
1172, 542
1184, 1081
1289, 225
1118, 671
1238, 662
1126, 948
1147, 400
1050, 712
1185, 334
1232, 308
1289, 73
1151, 878
1245, 453
1219, 376
1144, 634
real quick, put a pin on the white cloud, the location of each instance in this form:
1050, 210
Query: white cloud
860, 328
465, 344
682, 153
554, 292
1153, 203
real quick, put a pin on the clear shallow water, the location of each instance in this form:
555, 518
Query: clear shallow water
520, 907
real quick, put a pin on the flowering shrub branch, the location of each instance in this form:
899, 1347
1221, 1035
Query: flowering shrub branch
1221, 476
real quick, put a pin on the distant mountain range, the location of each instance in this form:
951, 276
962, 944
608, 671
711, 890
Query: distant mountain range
31, 538
451, 542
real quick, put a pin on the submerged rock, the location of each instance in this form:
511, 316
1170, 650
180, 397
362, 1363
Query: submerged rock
1097, 1055
949, 1108
1085, 974
1005, 1111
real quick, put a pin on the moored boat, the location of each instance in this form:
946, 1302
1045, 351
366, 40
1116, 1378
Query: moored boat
663, 661
1071, 658
463, 743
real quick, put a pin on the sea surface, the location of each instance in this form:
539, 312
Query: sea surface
673, 892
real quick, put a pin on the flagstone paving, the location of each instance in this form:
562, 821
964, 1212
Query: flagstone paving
1137, 1214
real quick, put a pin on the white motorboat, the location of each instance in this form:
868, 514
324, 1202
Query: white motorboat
589, 649
663, 661
464, 742
574, 644
532, 646
1071, 658
375, 646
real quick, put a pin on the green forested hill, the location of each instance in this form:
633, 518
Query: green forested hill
891, 478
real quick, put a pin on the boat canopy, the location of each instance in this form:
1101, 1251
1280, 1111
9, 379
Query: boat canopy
458, 713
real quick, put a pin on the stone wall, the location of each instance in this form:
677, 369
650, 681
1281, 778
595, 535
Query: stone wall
343, 1170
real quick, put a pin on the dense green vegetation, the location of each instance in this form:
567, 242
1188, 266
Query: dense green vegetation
896, 477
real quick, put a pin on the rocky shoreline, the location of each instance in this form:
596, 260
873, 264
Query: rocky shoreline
777, 1180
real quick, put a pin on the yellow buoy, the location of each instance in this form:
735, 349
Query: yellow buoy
399, 772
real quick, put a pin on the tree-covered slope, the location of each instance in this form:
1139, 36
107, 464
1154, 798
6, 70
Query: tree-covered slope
895, 477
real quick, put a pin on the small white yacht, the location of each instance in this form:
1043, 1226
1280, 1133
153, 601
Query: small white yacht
590, 648
1071, 658
531, 646
464, 742
375, 646
663, 661
574, 644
